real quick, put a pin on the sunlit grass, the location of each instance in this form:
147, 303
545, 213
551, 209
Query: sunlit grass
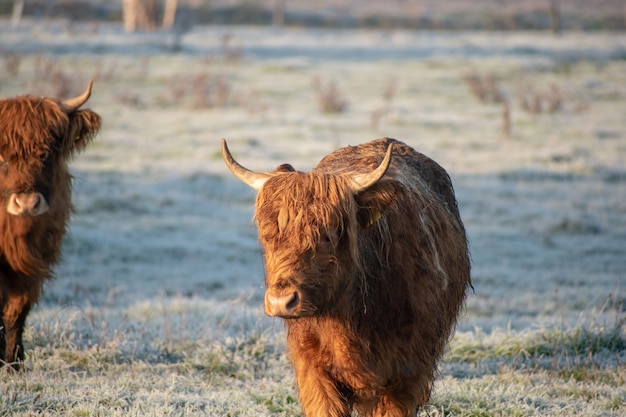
206, 363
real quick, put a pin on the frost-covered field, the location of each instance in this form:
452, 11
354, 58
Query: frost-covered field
157, 308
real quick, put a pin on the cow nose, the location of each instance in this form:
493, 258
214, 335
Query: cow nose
27, 204
283, 305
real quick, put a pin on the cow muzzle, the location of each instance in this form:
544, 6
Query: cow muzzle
27, 204
285, 305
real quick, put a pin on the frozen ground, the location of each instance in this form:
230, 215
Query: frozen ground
162, 246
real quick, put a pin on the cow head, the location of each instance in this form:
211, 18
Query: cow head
308, 225
37, 136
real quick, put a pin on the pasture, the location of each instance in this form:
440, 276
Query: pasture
157, 307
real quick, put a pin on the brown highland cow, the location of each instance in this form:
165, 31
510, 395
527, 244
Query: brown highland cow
367, 261
38, 136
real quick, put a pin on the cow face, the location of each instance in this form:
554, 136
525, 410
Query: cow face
308, 225
304, 223
37, 137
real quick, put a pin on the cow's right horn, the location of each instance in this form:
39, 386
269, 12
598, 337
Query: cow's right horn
250, 178
72, 104
361, 182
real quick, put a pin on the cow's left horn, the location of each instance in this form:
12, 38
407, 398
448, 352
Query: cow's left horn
250, 178
362, 182
72, 104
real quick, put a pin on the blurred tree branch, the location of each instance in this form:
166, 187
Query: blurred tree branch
139, 15
169, 13
18, 8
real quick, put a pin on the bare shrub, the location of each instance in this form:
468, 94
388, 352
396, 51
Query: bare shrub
484, 87
107, 72
389, 92
507, 129
582, 106
390, 89
44, 66
129, 99
554, 98
475, 85
230, 52
211, 91
51, 79
221, 91
200, 91
330, 97
376, 117
250, 100
533, 101
62, 84
176, 91
12, 64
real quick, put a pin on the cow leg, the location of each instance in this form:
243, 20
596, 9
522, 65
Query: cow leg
388, 407
403, 401
2, 333
14, 311
319, 394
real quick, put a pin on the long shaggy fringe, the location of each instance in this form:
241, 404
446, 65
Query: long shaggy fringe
29, 124
308, 206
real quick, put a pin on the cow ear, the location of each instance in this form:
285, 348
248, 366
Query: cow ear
374, 202
84, 125
285, 168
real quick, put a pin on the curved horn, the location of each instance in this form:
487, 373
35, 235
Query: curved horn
362, 182
72, 104
250, 178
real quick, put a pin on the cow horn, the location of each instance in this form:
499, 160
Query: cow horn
72, 104
362, 182
250, 178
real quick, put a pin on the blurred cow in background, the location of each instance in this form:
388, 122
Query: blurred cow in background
367, 261
38, 136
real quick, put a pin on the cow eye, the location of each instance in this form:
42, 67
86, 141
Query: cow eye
45, 154
328, 239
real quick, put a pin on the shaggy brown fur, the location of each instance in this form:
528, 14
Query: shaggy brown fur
373, 281
37, 138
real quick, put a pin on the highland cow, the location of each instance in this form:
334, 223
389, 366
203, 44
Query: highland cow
38, 136
366, 260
